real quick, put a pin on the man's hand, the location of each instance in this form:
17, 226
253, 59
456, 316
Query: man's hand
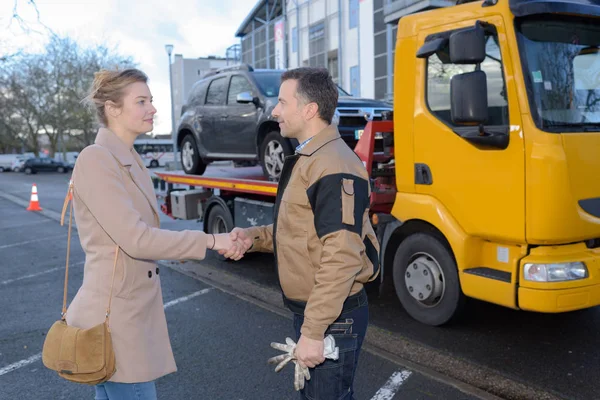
225, 246
309, 352
239, 237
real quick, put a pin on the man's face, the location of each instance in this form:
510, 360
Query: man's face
290, 110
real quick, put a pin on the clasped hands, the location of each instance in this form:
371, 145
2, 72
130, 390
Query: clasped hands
232, 245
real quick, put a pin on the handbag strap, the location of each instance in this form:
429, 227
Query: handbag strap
69, 201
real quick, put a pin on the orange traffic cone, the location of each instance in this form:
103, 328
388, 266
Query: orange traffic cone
71, 189
34, 204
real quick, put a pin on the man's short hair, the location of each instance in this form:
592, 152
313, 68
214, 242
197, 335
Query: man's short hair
315, 86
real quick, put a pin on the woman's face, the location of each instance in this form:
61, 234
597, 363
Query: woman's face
137, 112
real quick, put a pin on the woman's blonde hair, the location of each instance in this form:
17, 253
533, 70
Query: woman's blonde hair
110, 85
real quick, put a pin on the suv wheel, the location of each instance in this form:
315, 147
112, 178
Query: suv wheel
273, 151
190, 158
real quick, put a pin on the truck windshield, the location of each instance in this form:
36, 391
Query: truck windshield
561, 62
269, 82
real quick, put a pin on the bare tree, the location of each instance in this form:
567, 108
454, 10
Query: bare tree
43, 93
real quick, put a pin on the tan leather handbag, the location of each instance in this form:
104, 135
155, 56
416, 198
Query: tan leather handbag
80, 355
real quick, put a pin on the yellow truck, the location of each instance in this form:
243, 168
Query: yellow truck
488, 184
497, 158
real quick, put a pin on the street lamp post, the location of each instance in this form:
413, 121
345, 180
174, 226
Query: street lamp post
169, 49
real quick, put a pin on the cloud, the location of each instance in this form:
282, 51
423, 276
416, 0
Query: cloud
140, 28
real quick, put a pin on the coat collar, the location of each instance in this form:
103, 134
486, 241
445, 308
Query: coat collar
327, 135
106, 138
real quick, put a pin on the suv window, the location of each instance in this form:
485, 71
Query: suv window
198, 93
217, 91
238, 85
438, 84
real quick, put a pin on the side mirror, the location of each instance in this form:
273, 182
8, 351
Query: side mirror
467, 46
468, 98
245, 98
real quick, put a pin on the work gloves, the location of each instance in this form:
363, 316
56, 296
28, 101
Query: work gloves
301, 373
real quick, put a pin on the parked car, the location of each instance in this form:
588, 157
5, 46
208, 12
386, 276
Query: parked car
228, 117
44, 164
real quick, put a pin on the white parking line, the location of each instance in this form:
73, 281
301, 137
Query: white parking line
41, 221
32, 359
20, 364
6, 246
38, 274
388, 391
186, 298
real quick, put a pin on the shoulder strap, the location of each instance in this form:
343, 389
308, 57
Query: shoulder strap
69, 199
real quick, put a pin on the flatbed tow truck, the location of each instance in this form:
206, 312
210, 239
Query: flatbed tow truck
487, 186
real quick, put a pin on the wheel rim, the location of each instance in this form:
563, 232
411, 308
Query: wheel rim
424, 280
219, 225
187, 155
274, 158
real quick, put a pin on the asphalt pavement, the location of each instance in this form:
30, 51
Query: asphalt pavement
220, 339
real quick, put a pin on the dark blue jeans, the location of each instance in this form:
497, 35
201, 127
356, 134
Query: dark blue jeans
333, 379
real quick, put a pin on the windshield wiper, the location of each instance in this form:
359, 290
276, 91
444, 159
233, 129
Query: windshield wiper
575, 127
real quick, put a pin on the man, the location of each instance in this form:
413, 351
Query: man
325, 247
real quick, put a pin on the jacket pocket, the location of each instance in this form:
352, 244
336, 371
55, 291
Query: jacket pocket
348, 201
122, 289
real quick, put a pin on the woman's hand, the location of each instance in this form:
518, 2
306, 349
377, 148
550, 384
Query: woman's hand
233, 249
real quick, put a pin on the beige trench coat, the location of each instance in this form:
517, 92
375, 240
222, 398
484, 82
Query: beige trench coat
114, 203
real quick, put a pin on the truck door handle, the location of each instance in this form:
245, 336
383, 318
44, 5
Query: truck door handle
423, 175
224, 116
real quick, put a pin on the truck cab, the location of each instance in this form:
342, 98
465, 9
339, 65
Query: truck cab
496, 144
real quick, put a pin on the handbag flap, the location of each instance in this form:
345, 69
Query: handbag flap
72, 350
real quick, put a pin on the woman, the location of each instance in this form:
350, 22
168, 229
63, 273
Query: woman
115, 204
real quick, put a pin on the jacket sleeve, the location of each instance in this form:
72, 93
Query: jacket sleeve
339, 201
262, 238
99, 186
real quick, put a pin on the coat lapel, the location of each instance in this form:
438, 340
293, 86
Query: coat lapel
129, 158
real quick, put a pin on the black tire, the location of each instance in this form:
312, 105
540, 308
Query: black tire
61, 170
423, 265
194, 165
29, 171
271, 171
153, 164
219, 220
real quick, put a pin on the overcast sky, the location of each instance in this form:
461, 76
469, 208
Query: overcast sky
140, 28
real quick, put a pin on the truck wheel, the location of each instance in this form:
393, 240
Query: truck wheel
426, 280
190, 157
219, 220
273, 151
153, 164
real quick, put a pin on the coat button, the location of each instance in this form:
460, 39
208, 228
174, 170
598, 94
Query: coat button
157, 270
149, 274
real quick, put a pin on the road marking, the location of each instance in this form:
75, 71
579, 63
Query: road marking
388, 391
20, 364
26, 223
6, 246
186, 298
38, 273
32, 359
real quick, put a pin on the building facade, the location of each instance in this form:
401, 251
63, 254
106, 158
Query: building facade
187, 71
354, 39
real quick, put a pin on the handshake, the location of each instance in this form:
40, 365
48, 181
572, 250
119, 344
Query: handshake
232, 245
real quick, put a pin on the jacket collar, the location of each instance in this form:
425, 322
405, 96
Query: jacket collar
327, 135
107, 138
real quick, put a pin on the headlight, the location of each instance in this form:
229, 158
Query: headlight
555, 272
336, 118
